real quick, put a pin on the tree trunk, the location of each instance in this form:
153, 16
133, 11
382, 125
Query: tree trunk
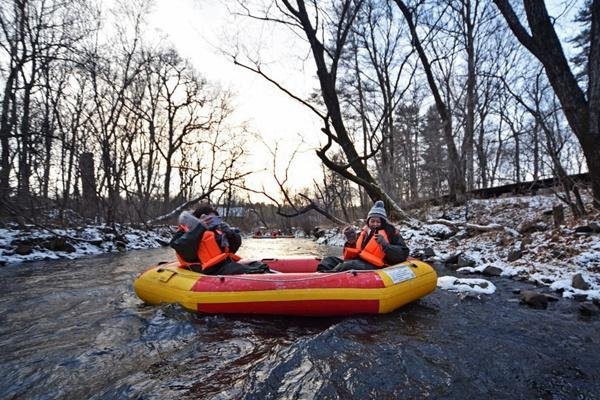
456, 182
327, 81
536, 151
482, 156
6, 126
517, 135
49, 110
167, 184
471, 97
88, 185
25, 153
583, 114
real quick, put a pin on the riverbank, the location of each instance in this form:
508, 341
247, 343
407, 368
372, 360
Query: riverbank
512, 237
31, 243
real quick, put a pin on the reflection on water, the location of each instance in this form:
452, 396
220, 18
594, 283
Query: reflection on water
269, 248
75, 329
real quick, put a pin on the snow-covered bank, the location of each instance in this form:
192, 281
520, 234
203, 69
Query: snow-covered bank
31, 243
512, 237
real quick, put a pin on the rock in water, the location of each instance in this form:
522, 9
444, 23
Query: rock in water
588, 308
534, 299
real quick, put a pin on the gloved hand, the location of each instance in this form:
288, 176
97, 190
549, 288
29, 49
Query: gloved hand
225, 228
223, 242
380, 239
350, 234
210, 221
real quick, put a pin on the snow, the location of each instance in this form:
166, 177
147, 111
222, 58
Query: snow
454, 284
332, 238
437, 230
591, 257
568, 291
97, 239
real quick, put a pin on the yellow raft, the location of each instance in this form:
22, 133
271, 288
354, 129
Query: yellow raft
296, 289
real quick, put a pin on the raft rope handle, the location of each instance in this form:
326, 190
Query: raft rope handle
319, 276
248, 278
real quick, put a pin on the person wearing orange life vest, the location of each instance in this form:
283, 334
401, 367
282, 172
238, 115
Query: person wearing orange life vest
379, 244
206, 244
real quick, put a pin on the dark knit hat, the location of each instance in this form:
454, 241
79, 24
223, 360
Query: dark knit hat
378, 210
205, 208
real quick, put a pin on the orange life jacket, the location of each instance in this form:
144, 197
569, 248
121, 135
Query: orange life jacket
371, 253
208, 251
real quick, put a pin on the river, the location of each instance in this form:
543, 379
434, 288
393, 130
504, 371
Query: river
74, 329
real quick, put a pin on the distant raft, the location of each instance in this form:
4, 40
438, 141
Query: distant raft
295, 290
273, 237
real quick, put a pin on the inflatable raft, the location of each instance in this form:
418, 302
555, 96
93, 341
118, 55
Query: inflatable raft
296, 289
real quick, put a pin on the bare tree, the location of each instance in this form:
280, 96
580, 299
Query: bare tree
291, 204
335, 193
312, 22
433, 155
377, 68
499, 57
456, 182
547, 118
581, 109
111, 77
38, 42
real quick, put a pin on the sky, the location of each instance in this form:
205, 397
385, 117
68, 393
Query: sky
202, 31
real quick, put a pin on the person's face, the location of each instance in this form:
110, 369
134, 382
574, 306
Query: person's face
374, 222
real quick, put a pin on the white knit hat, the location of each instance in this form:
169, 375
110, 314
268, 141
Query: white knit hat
378, 210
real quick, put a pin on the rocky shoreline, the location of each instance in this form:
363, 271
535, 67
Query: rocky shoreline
515, 238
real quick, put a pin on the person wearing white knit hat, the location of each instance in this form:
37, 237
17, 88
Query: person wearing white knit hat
378, 245
378, 210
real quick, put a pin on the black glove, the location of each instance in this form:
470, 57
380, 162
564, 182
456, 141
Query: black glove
225, 228
380, 239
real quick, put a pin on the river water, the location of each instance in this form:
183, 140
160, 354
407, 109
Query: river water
76, 330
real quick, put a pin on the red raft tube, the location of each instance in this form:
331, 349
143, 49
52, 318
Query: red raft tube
295, 289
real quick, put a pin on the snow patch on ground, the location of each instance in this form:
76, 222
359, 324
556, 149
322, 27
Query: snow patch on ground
462, 285
438, 230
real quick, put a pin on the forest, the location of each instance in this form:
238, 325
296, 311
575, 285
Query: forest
417, 100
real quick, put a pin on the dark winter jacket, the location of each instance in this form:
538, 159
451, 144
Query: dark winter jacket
396, 250
186, 243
